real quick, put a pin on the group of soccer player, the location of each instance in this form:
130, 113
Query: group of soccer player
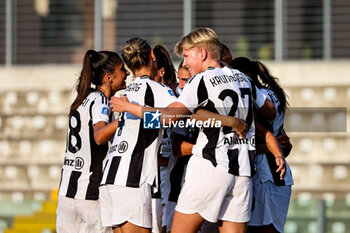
179, 178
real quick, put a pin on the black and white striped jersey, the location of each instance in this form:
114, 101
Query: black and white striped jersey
132, 158
227, 92
83, 162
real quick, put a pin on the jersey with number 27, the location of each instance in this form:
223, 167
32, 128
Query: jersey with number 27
83, 161
227, 93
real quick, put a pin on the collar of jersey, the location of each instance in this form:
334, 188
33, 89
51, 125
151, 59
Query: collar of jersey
101, 93
144, 77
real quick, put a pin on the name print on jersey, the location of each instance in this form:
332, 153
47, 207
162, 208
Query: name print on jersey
77, 163
221, 79
133, 87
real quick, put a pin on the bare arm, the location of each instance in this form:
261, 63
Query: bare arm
272, 145
171, 113
267, 111
103, 131
237, 124
285, 144
180, 146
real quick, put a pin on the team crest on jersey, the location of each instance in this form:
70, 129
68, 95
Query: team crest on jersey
104, 111
151, 120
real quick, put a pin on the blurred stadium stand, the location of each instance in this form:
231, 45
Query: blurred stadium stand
307, 48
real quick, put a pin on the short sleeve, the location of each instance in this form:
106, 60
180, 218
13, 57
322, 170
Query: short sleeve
100, 110
165, 96
189, 95
259, 99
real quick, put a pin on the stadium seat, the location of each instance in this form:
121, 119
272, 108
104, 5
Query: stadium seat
61, 122
25, 147
307, 94
5, 149
330, 94
330, 144
32, 98
340, 172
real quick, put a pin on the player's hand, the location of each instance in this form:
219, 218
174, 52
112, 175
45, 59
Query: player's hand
119, 104
285, 144
281, 166
240, 127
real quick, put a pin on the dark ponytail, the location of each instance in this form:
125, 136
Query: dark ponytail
269, 81
95, 66
163, 60
261, 77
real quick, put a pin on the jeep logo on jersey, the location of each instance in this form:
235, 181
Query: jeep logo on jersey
123, 146
151, 120
79, 163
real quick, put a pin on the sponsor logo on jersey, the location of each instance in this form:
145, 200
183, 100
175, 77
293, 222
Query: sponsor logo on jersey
235, 140
151, 120
252, 141
77, 163
113, 148
104, 111
123, 146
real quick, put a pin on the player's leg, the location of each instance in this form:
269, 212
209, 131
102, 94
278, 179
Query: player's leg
128, 227
236, 208
232, 227
186, 223
117, 230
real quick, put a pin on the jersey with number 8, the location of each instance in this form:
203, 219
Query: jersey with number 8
83, 161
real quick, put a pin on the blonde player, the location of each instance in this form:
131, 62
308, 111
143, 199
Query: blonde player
217, 184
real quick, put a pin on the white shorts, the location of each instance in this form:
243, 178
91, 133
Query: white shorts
271, 204
131, 205
214, 193
105, 207
75, 215
157, 212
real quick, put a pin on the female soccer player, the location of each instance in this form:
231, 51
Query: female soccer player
217, 184
89, 129
166, 75
271, 194
132, 160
